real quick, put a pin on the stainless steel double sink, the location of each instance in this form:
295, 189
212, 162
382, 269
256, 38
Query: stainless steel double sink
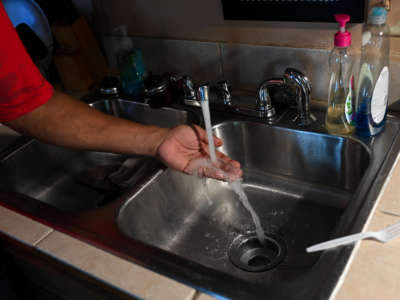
306, 186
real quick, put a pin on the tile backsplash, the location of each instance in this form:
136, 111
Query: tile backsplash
244, 66
247, 66
200, 60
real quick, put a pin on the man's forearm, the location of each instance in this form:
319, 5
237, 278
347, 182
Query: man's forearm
65, 121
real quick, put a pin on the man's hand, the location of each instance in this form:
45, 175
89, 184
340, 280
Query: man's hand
185, 148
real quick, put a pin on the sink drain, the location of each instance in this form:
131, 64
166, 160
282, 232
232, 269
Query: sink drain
247, 253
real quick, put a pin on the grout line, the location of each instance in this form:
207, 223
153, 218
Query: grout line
195, 295
36, 243
221, 61
389, 213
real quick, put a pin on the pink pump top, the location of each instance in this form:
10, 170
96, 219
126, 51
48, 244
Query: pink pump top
342, 37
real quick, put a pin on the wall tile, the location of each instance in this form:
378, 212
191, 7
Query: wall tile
244, 66
197, 59
203, 20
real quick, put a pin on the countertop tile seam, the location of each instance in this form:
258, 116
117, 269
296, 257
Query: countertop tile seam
45, 235
195, 295
8, 227
192, 295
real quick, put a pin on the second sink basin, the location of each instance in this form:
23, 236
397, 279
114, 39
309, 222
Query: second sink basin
298, 182
76, 180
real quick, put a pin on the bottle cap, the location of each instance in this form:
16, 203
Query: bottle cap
377, 16
342, 37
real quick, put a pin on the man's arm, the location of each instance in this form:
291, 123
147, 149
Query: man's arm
65, 121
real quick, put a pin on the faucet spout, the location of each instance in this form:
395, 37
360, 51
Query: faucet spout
303, 95
202, 92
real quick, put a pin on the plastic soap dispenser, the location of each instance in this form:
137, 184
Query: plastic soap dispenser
130, 65
339, 115
373, 82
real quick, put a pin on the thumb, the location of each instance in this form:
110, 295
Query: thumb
218, 142
203, 135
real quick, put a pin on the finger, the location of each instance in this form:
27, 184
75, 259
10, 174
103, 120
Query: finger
209, 171
220, 170
222, 159
216, 173
203, 136
200, 132
205, 149
230, 168
217, 141
227, 160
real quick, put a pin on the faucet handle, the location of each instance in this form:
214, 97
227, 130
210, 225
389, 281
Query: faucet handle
223, 91
264, 101
188, 88
294, 75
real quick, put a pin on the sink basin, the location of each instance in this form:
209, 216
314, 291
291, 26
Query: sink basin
298, 182
76, 180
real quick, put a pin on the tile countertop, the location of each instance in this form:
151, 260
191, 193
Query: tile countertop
373, 274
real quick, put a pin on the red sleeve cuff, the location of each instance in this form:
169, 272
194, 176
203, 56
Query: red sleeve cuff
26, 103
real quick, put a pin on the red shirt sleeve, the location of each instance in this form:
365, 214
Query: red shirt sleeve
22, 86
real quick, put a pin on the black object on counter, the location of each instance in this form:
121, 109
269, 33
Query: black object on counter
109, 86
293, 10
157, 90
394, 108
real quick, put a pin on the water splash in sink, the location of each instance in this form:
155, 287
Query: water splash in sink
236, 185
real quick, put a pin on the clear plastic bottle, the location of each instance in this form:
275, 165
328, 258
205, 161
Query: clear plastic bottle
340, 113
373, 83
130, 65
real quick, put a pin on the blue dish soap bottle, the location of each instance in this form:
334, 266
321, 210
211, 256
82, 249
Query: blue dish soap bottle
339, 114
373, 82
130, 66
